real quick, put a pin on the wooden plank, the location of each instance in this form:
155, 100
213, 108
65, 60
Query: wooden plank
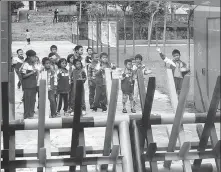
172, 90
41, 118
76, 121
125, 146
108, 79
151, 150
114, 155
42, 156
82, 143
115, 141
216, 149
110, 119
178, 117
210, 120
184, 149
146, 111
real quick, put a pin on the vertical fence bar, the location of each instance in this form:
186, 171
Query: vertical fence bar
76, 121
115, 141
0, 86
133, 36
101, 35
117, 42
97, 30
83, 168
110, 119
108, 38
92, 39
77, 36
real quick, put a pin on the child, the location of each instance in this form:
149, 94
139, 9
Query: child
88, 59
28, 36
127, 85
17, 63
78, 52
92, 78
63, 87
77, 74
54, 49
70, 68
29, 83
100, 96
178, 67
139, 66
51, 84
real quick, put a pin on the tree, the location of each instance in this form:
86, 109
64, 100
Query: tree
16, 5
123, 5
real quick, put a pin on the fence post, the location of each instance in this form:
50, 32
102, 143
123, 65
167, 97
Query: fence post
117, 41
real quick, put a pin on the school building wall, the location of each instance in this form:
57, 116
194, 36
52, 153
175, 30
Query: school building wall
206, 50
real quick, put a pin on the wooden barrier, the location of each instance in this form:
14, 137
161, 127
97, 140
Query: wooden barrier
125, 149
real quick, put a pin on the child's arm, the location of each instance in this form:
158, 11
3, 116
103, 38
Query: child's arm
169, 62
84, 76
24, 72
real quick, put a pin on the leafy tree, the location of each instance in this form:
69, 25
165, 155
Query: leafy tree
16, 5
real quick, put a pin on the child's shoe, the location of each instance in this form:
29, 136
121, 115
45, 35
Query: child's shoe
124, 110
133, 110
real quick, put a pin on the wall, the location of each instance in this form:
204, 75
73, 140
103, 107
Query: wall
201, 14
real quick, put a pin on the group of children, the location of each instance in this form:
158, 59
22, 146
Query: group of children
62, 75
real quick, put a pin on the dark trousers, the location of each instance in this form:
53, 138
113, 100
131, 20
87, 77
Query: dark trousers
100, 97
62, 97
52, 101
83, 104
178, 84
55, 19
92, 88
29, 102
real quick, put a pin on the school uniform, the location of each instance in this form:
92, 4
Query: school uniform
176, 66
127, 86
63, 88
100, 93
29, 85
92, 81
51, 85
77, 74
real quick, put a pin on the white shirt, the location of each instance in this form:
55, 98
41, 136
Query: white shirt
28, 35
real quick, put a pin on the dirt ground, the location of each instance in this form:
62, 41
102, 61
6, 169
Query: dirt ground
93, 136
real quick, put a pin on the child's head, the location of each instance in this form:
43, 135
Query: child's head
138, 58
89, 51
31, 56
70, 58
46, 62
176, 54
104, 57
133, 61
37, 60
77, 63
54, 49
95, 57
62, 63
79, 49
20, 52
26, 30
52, 57
128, 63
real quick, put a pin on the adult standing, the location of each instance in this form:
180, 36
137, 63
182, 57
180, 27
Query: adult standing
55, 15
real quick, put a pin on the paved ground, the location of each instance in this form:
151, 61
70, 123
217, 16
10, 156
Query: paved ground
94, 136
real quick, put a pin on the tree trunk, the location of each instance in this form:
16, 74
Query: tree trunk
80, 11
141, 37
125, 34
150, 32
164, 31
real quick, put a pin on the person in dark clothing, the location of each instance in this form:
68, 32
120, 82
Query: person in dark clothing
51, 84
17, 63
127, 85
78, 74
55, 16
179, 68
100, 95
88, 58
92, 78
29, 83
63, 87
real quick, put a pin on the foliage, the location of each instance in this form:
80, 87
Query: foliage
95, 10
16, 5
